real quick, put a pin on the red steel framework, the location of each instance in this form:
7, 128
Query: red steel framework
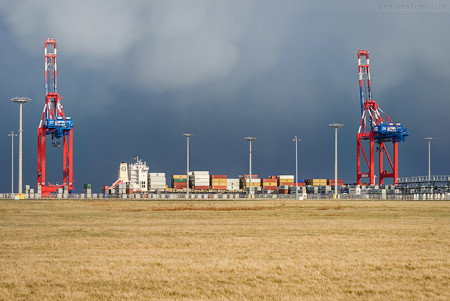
376, 127
54, 122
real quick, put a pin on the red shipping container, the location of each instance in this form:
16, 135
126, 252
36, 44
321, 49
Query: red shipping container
270, 180
178, 185
201, 187
218, 176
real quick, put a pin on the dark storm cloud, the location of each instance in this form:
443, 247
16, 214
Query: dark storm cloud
135, 75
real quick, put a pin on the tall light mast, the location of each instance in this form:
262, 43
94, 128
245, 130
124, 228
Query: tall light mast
54, 123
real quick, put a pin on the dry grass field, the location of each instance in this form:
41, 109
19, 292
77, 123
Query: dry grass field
306, 250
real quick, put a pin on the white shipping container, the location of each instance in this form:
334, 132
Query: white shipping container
286, 177
233, 187
203, 173
157, 174
157, 180
253, 180
232, 180
200, 178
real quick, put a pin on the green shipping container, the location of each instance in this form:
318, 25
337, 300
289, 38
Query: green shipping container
87, 186
180, 180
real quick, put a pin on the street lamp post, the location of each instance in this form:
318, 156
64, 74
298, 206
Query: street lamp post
429, 157
250, 139
12, 134
336, 126
187, 162
20, 101
296, 165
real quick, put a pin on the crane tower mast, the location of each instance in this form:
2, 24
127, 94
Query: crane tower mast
54, 123
376, 127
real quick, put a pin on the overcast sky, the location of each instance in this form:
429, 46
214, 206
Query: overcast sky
136, 75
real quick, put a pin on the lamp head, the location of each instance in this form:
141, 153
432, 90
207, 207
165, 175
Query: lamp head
336, 125
20, 100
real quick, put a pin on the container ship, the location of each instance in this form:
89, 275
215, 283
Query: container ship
137, 178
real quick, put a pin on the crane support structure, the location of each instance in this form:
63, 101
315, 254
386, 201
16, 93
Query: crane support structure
377, 128
55, 124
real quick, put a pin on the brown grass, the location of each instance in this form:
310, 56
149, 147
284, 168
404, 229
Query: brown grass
308, 250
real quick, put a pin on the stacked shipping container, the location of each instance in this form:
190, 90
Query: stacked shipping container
219, 182
286, 180
199, 180
331, 182
316, 182
156, 181
245, 181
232, 184
270, 184
179, 181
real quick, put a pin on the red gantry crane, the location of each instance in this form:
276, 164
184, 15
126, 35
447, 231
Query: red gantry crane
376, 127
55, 124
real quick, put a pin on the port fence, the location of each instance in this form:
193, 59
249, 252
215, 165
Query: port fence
229, 196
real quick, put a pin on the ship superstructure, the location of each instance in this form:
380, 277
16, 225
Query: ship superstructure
138, 174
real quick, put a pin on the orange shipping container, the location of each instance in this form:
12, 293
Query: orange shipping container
219, 187
179, 176
218, 180
270, 187
286, 183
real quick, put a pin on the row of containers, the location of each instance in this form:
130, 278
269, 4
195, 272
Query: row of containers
202, 180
